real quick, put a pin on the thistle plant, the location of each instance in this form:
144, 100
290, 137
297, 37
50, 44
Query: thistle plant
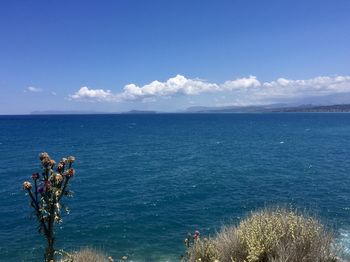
46, 194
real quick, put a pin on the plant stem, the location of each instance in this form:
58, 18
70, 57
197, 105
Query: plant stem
63, 189
36, 191
37, 209
50, 251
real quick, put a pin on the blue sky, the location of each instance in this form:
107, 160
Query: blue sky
107, 55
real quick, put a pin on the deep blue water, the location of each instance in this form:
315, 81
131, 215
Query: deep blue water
144, 181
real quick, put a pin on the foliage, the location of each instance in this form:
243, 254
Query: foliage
46, 195
285, 235
84, 255
278, 235
200, 250
230, 246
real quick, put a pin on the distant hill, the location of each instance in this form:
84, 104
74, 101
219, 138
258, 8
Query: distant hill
65, 112
311, 108
235, 109
270, 108
137, 112
277, 108
78, 112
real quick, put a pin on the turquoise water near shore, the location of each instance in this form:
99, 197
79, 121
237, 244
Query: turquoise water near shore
144, 181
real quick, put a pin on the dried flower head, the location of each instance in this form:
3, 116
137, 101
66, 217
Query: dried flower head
70, 172
52, 162
46, 162
35, 176
27, 185
71, 159
43, 156
60, 167
58, 178
187, 242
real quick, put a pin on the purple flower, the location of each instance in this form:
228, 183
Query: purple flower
196, 234
41, 190
47, 184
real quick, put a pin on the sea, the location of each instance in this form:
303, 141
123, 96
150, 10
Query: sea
144, 181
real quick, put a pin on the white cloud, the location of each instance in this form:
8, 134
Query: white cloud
178, 85
314, 87
248, 90
33, 89
85, 93
241, 83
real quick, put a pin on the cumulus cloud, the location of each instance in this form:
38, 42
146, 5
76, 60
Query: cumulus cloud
248, 90
33, 89
241, 83
85, 93
178, 85
314, 87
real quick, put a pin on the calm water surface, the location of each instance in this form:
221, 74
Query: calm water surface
144, 181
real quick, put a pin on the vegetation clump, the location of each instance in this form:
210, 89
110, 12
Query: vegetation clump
46, 194
278, 235
86, 255
200, 250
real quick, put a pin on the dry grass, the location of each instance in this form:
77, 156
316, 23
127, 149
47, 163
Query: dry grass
203, 250
278, 235
229, 245
285, 235
87, 255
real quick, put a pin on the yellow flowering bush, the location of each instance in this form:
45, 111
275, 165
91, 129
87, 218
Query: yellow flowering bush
278, 235
267, 233
88, 255
199, 250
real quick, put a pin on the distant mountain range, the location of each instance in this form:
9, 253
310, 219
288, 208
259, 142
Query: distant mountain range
271, 108
65, 112
274, 108
77, 112
140, 112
